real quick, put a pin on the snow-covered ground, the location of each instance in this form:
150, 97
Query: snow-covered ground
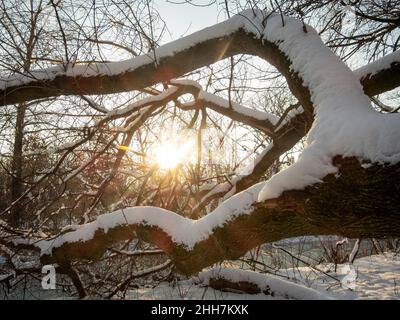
371, 277
376, 277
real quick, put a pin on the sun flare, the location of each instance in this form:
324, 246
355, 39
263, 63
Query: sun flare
169, 154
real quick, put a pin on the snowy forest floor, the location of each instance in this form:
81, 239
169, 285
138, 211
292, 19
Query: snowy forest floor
378, 277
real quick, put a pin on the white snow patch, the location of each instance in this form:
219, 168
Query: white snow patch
378, 65
345, 122
253, 113
269, 283
378, 277
120, 67
182, 230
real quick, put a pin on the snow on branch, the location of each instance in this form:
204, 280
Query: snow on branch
169, 231
218, 103
379, 65
195, 244
182, 230
219, 277
172, 60
345, 124
122, 67
381, 75
262, 120
240, 34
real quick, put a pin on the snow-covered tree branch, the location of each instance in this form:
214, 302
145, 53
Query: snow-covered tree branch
343, 180
343, 120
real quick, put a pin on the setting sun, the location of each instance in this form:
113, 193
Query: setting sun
169, 154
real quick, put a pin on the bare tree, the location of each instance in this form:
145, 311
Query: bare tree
350, 155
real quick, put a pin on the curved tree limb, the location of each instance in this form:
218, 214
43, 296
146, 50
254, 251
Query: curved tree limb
330, 196
345, 198
174, 59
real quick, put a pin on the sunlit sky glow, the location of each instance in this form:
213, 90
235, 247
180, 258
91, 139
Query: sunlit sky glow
171, 153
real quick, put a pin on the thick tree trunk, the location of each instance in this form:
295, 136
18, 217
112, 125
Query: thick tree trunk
17, 165
17, 160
